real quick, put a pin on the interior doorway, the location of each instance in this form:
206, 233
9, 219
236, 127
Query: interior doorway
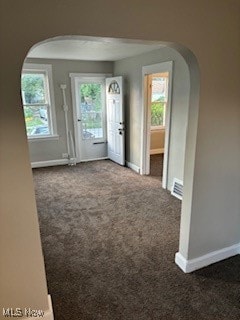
157, 92
156, 121
136, 115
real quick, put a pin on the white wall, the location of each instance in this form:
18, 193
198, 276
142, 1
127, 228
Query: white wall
131, 69
53, 149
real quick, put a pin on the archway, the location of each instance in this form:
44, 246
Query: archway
192, 119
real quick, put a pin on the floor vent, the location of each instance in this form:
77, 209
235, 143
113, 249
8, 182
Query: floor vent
177, 189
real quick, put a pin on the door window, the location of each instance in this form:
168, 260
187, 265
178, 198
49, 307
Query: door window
91, 110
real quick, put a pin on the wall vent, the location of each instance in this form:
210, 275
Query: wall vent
177, 189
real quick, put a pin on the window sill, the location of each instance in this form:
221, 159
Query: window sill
43, 138
157, 128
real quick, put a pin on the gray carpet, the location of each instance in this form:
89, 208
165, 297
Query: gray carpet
109, 238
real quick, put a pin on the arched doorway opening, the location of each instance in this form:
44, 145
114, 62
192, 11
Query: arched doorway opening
46, 146
57, 48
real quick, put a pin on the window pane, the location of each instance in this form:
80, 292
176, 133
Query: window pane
159, 88
36, 118
159, 100
91, 110
33, 88
157, 113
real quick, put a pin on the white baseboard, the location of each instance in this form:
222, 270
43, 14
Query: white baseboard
194, 264
60, 162
48, 314
49, 163
88, 160
133, 166
157, 151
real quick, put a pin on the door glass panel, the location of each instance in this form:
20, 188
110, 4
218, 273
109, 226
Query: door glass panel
91, 110
117, 111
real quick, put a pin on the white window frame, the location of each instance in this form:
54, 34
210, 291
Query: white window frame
162, 127
47, 70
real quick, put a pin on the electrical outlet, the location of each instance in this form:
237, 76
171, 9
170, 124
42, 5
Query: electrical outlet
65, 155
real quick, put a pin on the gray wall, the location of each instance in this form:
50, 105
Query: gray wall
53, 149
131, 69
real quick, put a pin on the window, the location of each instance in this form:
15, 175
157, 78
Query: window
38, 101
159, 96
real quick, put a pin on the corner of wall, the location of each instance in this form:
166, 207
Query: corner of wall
191, 265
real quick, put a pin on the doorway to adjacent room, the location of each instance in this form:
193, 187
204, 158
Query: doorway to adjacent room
157, 112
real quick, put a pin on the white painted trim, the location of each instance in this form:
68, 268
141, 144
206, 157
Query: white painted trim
133, 167
49, 163
38, 138
90, 75
75, 118
181, 261
194, 264
146, 125
157, 151
50, 92
168, 117
48, 314
96, 159
157, 129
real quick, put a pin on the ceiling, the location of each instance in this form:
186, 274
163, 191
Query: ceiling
92, 50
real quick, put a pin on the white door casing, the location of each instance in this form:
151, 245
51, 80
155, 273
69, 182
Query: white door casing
115, 120
146, 120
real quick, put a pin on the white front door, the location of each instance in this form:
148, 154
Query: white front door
115, 120
90, 117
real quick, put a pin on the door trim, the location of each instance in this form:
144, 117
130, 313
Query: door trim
146, 120
74, 77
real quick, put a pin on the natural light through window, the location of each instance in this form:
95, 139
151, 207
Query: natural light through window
91, 110
37, 102
159, 96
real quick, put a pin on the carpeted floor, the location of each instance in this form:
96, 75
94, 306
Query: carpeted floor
156, 165
109, 238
